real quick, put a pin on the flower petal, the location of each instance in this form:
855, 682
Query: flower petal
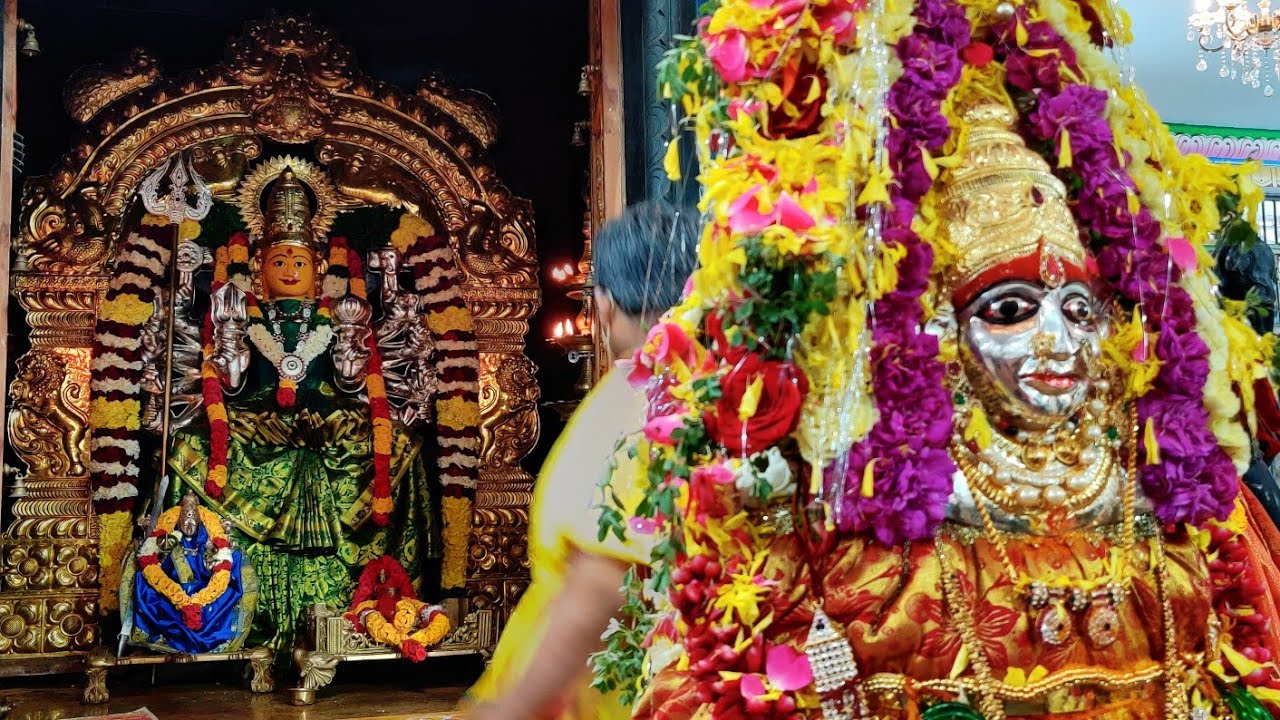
787, 669
1182, 252
792, 215
752, 686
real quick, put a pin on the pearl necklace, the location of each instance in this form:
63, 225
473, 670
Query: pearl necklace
1017, 490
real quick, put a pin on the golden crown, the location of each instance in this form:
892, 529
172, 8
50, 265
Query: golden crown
1002, 204
288, 213
287, 200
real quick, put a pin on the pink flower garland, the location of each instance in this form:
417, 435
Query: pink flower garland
912, 474
1192, 478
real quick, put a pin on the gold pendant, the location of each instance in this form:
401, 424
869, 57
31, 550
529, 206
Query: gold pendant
1054, 624
1102, 623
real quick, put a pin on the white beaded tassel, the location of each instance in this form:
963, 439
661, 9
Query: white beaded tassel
834, 669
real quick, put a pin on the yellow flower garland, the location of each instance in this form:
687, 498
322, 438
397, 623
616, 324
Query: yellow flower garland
114, 530
456, 512
394, 633
457, 413
451, 318
166, 586
115, 413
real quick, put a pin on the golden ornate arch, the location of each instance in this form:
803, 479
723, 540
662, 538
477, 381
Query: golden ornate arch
285, 81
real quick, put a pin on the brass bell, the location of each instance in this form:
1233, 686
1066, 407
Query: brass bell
584, 82
30, 45
579, 138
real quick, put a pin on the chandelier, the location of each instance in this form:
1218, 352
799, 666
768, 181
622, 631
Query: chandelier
1242, 38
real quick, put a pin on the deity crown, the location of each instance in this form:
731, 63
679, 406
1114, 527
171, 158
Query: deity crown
1005, 213
288, 213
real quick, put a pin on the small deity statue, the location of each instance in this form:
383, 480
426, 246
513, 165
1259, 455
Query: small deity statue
290, 357
386, 607
192, 591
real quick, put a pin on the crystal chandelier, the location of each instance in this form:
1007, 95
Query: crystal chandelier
1242, 37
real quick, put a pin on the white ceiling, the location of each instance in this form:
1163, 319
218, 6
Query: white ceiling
1166, 68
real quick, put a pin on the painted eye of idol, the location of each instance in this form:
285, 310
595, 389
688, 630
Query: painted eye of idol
1034, 346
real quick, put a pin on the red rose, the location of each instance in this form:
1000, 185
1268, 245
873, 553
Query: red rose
978, 54
783, 388
191, 616
804, 90
286, 397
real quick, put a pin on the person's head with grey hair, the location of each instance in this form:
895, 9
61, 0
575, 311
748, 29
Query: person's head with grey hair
642, 261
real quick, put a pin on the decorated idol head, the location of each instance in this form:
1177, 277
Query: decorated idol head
189, 517
288, 260
1027, 320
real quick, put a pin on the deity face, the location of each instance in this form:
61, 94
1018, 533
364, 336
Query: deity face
1031, 349
189, 522
289, 272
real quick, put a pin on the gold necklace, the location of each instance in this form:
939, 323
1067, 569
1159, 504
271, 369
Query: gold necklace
1009, 489
1055, 603
990, 693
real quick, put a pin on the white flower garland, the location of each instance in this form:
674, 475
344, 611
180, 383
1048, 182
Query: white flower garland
308, 350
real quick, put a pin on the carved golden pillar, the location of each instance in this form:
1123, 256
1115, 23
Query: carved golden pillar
48, 603
499, 564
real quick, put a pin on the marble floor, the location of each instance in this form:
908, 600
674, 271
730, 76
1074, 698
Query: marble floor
362, 691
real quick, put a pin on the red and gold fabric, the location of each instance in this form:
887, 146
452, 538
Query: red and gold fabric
907, 634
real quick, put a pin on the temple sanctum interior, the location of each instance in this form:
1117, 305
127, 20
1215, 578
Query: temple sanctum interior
896, 358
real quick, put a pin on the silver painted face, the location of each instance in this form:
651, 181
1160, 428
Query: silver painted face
1033, 347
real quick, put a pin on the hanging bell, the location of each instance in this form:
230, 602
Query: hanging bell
584, 81
30, 45
579, 138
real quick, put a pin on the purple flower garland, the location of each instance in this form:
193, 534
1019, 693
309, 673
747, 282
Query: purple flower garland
1194, 479
913, 470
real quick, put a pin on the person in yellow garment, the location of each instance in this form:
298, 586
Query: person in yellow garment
539, 670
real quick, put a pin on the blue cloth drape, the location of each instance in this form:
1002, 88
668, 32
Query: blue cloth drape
162, 622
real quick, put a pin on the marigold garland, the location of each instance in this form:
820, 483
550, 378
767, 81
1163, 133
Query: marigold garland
190, 605
231, 265
390, 612
412, 644
379, 409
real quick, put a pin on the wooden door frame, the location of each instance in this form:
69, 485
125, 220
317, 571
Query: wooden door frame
608, 147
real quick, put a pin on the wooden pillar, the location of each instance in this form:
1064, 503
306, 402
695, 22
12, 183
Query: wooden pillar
8, 119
